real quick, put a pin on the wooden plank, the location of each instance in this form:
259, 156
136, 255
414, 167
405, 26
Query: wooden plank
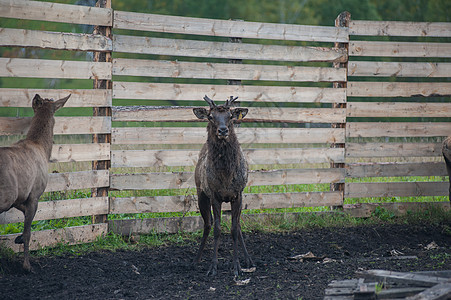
79, 98
174, 135
46, 11
53, 237
80, 152
397, 129
399, 49
395, 189
171, 91
63, 125
365, 210
440, 291
44, 68
395, 169
402, 277
60, 209
399, 69
398, 89
393, 149
250, 201
398, 109
167, 158
396, 28
182, 180
10, 37
77, 180
194, 48
256, 114
179, 69
227, 28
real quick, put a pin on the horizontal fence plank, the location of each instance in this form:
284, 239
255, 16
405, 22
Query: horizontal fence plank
399, 69
56, 12
168, 158
80, 152
44, 68
397, 129
193, 48
170, 91
396, 169
256, 114
63, 125
60, 209
183, 180
399, 49
172, 135
250, 201
398, 109
228, 28
398, 89
77, 180
395, 189
10, 37
53, 237
396, 28
179, 69
79, 98
393, 149
365, 210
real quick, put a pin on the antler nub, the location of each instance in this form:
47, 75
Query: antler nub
230, 101
209, 101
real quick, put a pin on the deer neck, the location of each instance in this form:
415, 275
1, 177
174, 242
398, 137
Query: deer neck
224, 153
41, 131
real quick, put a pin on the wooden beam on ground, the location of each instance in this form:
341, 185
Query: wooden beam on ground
401, 277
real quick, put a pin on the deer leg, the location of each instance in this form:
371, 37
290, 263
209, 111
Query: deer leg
236, 212
205, 211
217, 234
29, 211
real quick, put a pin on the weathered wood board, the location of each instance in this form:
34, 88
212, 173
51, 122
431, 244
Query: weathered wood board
398, 89
395, 189
397, 28
398, 109
399, 49
78, 180
397, 129
399, 69
393, 149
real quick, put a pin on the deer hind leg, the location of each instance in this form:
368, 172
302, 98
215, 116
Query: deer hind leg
217, 234
205, 211
29, 211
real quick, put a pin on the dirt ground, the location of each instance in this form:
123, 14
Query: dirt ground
168, 273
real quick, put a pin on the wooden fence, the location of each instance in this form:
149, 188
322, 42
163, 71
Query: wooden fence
135, 150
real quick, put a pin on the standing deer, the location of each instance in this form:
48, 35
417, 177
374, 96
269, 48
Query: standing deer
220, 176
446, 150
24, 167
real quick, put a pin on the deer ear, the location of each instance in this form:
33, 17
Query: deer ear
200, 112
60, 103
239, 113
37, 102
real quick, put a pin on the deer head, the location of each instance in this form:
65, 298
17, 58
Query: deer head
221, 117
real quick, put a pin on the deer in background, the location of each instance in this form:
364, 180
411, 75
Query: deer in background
24, 167
220, 176
446, 150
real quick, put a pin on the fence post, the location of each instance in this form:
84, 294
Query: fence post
102, 111
342, 20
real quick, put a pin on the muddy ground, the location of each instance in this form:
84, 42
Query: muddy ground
168, 273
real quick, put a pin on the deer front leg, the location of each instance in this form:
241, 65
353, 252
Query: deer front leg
205, 211
217, 234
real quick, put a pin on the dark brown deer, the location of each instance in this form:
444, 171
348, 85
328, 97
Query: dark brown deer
24, 168
220, 176
446, 150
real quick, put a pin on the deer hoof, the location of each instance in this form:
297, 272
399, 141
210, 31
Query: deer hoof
213, 270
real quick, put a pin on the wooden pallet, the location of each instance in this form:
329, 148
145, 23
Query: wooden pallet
381, 284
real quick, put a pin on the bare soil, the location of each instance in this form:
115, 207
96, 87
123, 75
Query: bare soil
168, 273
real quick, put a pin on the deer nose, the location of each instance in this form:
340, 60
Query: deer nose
223, 131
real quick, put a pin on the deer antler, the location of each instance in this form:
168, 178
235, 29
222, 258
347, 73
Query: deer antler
230, 101
209, 101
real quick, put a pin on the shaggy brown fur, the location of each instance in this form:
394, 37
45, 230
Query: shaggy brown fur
446, 150
24, 167
221, 175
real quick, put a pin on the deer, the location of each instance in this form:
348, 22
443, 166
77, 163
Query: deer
220, 176
446, 151
24, 168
